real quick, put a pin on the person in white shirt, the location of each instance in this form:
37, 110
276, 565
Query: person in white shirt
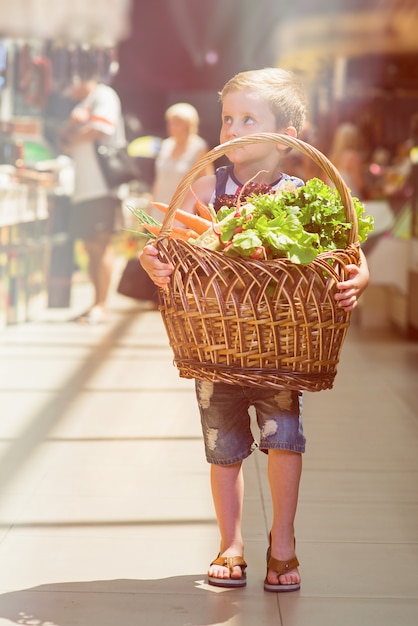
97, 117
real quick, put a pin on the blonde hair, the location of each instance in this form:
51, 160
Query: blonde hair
186, 112
279, 88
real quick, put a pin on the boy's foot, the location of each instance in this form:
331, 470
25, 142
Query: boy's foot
290, 578
227, 571
282, 575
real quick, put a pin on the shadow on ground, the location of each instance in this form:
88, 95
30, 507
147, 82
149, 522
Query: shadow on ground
177, 601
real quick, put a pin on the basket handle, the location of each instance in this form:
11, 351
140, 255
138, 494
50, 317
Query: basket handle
317, 157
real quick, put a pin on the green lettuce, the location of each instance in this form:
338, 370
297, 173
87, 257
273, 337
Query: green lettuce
297, 224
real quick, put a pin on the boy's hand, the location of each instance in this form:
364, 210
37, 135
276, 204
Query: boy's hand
352, 288
158, 271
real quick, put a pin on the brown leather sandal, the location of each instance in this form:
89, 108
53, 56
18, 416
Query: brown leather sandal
230, 562
280, 567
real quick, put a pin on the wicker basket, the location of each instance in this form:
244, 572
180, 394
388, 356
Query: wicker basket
253, 322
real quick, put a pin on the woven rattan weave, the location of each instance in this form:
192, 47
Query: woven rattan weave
253, 322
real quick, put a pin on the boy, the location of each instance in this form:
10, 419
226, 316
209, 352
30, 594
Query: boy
267, 100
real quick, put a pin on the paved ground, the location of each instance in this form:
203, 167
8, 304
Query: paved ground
105, 510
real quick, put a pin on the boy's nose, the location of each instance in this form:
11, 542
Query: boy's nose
232, 132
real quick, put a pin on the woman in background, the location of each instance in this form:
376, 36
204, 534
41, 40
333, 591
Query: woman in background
179, 151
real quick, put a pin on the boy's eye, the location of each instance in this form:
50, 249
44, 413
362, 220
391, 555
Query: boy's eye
248, 120
227, 119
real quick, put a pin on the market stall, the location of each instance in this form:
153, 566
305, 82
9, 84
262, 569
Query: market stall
43, 46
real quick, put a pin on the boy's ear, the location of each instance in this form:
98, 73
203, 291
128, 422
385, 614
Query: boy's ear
292, 132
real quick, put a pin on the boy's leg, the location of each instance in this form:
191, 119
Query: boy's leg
228, 440
227, 485
284, 472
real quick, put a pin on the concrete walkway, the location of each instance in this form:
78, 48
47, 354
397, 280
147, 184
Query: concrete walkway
106, 515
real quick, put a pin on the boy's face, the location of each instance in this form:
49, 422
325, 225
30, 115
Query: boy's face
245, 113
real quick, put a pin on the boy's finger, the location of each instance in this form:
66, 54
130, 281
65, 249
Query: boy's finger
150, 249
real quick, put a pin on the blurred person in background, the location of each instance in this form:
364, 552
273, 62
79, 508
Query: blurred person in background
347, 156
179, 151
97, 117
177, 155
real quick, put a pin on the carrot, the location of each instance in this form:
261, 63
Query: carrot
177, 233
201, 207
161, 206
195, 222
203, 210
152, 228
184, 233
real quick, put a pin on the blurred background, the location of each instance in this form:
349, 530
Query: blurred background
357, 60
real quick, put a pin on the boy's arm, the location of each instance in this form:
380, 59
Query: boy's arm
351, 289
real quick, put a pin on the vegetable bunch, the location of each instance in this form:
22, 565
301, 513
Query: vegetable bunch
296, 223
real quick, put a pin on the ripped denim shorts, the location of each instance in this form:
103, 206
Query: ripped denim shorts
226, 421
